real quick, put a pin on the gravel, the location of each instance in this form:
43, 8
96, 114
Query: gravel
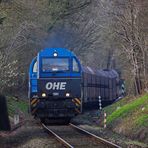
30, 135
93, 122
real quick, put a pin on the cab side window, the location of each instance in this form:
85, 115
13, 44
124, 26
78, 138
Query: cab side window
75, 65
35, 67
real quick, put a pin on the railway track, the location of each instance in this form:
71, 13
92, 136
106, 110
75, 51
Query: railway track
72, 136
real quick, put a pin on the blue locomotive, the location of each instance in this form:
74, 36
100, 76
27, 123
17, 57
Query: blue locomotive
60, 87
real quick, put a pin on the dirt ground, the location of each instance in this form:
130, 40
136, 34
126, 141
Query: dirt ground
93, 122
31, 134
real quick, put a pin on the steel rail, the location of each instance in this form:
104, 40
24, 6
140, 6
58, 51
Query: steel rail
80, 130
106, 142
61, 140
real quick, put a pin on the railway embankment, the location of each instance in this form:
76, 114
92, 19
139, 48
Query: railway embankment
17, 108
130, 117
17, 112
16, 105
127, 121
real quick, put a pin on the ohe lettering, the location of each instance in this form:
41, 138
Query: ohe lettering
56, 85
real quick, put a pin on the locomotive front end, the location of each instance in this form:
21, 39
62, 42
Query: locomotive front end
58, 81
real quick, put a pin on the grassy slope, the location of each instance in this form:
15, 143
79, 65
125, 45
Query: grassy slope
14, 106
130, 117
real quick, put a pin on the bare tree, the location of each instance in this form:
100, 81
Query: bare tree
131, 30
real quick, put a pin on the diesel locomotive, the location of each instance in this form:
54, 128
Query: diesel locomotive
60, 87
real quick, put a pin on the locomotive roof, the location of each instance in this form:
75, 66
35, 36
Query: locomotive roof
60, 51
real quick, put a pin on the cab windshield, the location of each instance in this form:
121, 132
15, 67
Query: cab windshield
55, 64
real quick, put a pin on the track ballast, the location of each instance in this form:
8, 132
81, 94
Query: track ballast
72, 136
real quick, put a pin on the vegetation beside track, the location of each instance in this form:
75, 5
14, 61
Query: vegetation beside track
129, 116
16, 106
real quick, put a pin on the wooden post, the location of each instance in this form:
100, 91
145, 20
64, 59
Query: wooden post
4, 119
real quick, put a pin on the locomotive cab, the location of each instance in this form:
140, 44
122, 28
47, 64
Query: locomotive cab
55, 79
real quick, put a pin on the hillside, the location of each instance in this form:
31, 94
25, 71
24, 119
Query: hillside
16, 105
129, 116
127, 122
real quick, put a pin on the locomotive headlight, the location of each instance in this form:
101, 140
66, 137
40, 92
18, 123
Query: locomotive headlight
67, 94
55, 54
43, 95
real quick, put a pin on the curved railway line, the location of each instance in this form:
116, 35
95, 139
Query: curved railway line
72, 136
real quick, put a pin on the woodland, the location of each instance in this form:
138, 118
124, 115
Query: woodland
102, 33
